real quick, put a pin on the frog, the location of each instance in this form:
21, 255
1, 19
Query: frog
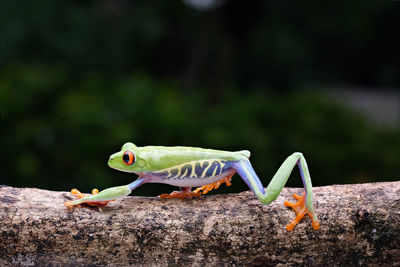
204, 169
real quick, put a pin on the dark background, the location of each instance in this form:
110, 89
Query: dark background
80, 78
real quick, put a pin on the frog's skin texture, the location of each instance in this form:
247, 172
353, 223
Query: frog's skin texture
207, 169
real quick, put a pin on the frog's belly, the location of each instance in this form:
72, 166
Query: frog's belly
193, 182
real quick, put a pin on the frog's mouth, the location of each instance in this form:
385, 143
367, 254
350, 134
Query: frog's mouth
116, 164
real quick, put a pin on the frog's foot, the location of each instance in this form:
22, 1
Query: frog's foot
81, 197
207, 188
301, 210
185, 193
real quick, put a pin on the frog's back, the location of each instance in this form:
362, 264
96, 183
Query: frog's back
190, 166
161, 157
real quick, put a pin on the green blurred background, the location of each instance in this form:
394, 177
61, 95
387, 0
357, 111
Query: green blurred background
80, 78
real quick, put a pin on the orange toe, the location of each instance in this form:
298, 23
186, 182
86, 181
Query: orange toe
68, 203
76, 192
315, 225
297, 196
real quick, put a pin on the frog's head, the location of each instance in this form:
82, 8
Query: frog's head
128, 159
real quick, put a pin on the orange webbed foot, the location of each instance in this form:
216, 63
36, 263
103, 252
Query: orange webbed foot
207, 188
80, 195
301, 210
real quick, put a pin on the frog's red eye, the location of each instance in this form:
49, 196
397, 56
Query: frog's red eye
128, 158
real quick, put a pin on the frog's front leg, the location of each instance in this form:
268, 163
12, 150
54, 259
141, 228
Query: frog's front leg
305, 202
103, 197
80, 196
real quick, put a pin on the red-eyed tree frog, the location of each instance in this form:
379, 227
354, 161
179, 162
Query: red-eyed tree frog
206, 169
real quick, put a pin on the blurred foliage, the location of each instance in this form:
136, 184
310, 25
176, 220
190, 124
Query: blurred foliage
59, 131
271, 44
80, 78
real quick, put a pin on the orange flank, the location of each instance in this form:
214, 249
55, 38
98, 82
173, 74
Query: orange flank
301, 210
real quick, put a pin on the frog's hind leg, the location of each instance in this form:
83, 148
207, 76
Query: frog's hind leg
186, 192
305, 203
207, 188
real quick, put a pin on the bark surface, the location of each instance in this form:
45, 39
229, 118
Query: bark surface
359, 226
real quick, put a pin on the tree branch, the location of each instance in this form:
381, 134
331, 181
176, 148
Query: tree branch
360, 224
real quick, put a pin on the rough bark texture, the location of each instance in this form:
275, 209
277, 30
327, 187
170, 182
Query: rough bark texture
359, 226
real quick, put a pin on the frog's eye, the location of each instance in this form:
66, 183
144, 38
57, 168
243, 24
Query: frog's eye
128, 158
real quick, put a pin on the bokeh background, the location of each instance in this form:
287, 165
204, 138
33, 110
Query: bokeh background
78, 79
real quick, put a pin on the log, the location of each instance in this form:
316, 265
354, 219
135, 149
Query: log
359, 226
